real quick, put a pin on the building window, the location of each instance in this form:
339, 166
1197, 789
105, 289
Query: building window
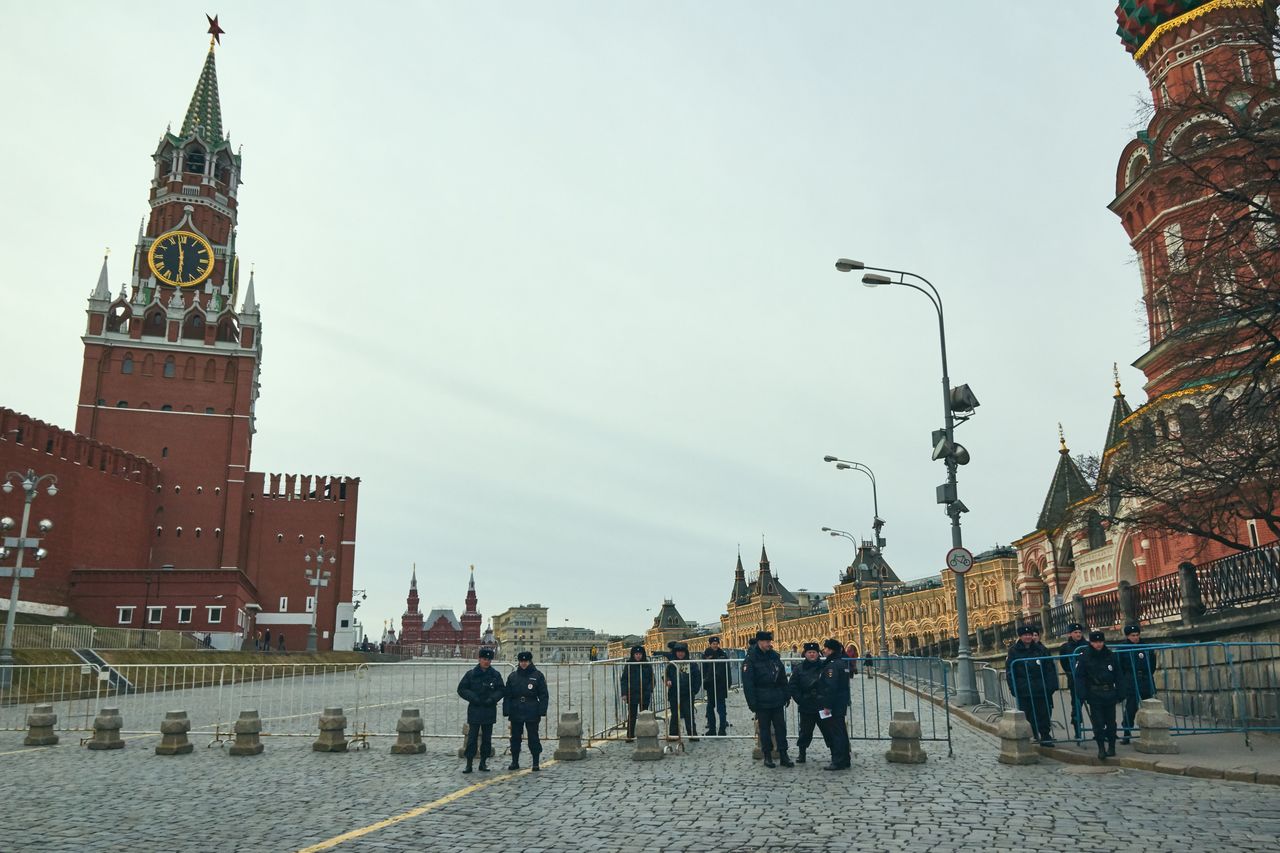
155, 615
311, 604
184, 615
214, 614
1246, 70
123, 404
1164, 95
1173, 246
166, 408
170, 368
284, 604
1253, 532
1200, 84
126, 366
124, 615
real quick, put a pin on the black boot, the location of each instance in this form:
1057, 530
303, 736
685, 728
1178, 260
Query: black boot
1102, 751
800, 759
784, 761
768, 760
1111, 749
467, 769
484, 765
536, 768
515, 761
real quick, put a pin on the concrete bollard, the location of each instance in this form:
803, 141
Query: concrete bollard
248, 731
40, 723
409, 734
106, 730
462, 750
647, 746
173, 734
904, 747
569, 738
1154, 723
333, 724
1015, 739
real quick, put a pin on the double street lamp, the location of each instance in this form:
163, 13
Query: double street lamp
860, 570
957, 403
30, 483
317, 578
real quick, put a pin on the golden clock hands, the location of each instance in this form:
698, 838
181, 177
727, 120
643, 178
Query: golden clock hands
181, 264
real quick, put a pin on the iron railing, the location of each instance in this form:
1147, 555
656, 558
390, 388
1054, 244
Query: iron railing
1159, 598
1244, 578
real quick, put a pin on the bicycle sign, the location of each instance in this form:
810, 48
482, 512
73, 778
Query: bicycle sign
959, 560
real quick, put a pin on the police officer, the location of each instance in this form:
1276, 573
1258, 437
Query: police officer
715, 678
1096, 676
1137, 664
683, 683
1068, 653
483, 689
764, 681
636, 686
805, 688
837, 672
1032, 680
525, 704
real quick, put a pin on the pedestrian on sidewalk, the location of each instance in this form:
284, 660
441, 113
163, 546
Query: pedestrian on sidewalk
482, 688
805, 687
764, 681
683, 680
1096, 675
1068, 652
1138, 665
1032, 680
280, 644
832, 720
636, 686
266, 641
715, 679
525, 704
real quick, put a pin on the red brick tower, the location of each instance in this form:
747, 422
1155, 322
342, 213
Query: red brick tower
1209, 67
411, 619
470, 616
170, 368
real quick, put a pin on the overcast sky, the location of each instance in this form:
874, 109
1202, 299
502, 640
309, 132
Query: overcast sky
556, 281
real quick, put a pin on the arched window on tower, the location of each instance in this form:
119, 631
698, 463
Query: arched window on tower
126, 364
195, 160
1097, 535
1188, 421
170, 368
153, 325
229, 373
117, 317
148, 364
189, 369
193, 327
1198, 66
227, 331
210, 371
1246, 70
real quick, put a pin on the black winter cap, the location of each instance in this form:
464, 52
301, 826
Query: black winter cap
486, 653
1133, 629
1074, 626
811, 647
764, 635
525, 656
834, 645
1097, 635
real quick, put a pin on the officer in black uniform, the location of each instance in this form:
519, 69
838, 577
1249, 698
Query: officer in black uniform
525, 704
1075, 643
1032, 680
806, 687
636, 687
683, 681
1138, 666
483, 689
837, 672
1096, 676
764, 681
715, 678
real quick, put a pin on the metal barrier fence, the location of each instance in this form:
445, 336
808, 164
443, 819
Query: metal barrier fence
93, 637
1207, 687
290, 697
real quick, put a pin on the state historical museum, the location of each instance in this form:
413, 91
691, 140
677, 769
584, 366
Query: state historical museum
159, 522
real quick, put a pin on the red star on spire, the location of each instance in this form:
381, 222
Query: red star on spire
215, 30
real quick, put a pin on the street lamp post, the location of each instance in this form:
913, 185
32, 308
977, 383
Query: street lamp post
884, 637
317, 578
30, 483
953, 455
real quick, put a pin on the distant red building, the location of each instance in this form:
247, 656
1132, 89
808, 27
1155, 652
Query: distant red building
159, 522
440, 633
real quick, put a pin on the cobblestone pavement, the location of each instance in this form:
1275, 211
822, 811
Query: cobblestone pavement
714, 797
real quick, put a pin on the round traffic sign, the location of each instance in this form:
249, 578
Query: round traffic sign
959, 560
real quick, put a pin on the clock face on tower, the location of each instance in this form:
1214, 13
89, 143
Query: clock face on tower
181, 258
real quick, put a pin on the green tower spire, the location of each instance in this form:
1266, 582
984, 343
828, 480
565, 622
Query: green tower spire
204, 115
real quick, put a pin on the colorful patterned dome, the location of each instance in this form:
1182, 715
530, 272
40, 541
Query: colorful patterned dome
1139, 18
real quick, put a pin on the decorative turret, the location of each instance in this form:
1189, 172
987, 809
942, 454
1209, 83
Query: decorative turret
740, 590
1067, 487
470, 619
101, 296
1120, 409
204, 114
411, 619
